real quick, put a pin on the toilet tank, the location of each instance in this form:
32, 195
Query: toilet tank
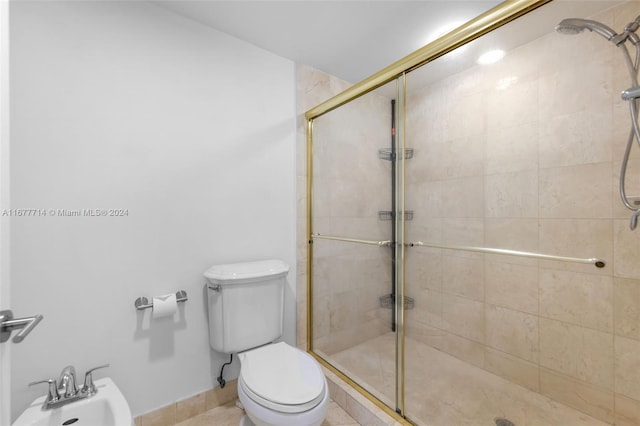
246, 304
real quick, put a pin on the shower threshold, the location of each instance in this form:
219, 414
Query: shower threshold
443, 390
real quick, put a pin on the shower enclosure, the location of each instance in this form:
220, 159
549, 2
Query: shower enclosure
469, 259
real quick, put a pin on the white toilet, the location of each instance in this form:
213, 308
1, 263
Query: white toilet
279, 385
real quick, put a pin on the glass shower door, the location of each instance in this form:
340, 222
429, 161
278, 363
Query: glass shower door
444, 324
511, 188
352, 249
489, 223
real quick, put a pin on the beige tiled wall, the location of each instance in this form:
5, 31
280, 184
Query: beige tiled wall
533, 166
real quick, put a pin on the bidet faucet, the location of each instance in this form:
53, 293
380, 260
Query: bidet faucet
67, 383
65, 390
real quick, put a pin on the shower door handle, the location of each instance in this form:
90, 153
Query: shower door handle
8, 324
597, 262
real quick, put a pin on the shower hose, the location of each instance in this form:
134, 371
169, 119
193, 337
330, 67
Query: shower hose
634, 132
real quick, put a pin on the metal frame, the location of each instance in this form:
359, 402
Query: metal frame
488, 21
401, 247
479, 26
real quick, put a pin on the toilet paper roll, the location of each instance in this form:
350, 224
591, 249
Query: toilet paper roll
164, 306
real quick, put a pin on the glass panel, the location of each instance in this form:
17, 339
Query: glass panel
523, 154
352, 281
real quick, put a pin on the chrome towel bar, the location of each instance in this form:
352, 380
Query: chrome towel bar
598, 263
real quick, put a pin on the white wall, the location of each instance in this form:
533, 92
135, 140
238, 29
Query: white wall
5, 303
124, 105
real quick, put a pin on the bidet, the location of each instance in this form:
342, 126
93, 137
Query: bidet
65, 390
107, 407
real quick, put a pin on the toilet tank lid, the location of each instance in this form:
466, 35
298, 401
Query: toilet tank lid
246, 271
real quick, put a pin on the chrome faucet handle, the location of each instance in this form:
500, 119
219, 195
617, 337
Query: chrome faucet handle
67, 382
89, 388
53, 394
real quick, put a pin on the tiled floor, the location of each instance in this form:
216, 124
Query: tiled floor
442, 390
230, 415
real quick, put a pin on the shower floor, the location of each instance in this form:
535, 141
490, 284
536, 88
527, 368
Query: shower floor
443, 391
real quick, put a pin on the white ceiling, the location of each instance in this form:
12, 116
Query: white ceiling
353, 39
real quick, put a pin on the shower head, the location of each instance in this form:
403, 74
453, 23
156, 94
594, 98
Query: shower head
577, 25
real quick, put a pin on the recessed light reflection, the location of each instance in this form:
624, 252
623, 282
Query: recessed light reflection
504, 83
491, 57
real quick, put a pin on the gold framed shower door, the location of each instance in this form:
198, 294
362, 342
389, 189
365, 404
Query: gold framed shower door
477, 27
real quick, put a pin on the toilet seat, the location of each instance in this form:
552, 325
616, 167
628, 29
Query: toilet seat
263, 416
282, 378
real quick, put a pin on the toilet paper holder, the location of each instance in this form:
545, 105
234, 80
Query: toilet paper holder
143, 302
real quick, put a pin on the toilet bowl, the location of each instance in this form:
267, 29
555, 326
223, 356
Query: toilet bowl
280, 385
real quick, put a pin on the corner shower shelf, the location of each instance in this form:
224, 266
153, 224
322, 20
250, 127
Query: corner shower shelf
388, 301
388, 154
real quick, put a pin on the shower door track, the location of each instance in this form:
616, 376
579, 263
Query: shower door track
598, 263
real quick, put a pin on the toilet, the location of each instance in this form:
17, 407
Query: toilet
278, 385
